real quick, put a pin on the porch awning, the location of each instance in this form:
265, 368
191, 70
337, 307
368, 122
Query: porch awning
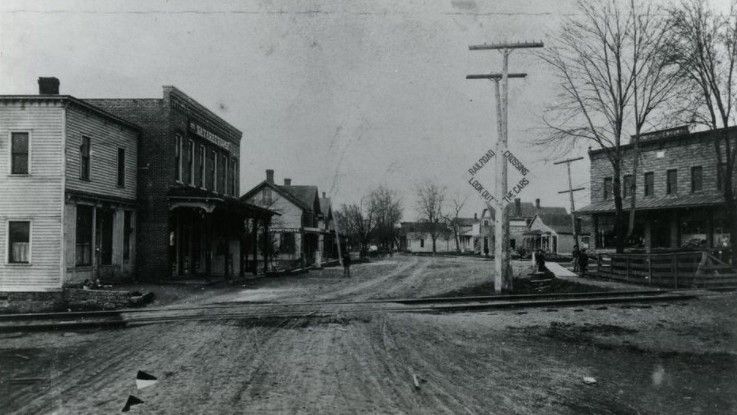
690, 200
202, 199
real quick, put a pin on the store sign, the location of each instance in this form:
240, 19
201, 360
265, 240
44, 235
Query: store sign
211, 137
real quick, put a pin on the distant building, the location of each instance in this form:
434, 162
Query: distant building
191, 221
679, 197
552, 232
68, 176
299, 233
416, 237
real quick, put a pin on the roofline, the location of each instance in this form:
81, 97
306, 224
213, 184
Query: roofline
193, 102
75, 101
282, 192
694, 135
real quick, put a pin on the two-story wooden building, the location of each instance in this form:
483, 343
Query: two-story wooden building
299, 234
68, 176
679, 191
191, 220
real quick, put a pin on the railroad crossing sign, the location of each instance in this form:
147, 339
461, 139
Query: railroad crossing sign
485, 194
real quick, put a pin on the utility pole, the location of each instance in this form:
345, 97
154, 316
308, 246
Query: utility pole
503, 271
570, 193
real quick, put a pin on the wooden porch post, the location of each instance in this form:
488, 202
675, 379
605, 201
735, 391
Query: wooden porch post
254, 240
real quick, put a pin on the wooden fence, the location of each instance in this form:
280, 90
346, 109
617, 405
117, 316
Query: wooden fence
672, 270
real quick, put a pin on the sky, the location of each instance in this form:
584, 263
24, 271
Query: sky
345, 95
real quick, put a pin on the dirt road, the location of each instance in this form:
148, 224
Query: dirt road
662, 358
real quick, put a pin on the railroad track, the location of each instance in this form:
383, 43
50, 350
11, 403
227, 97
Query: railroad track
310, 310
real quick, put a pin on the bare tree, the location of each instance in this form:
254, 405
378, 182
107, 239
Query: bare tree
386, 210
655, 79
357, 223
453, 218
590, 61
430, 199
705, 47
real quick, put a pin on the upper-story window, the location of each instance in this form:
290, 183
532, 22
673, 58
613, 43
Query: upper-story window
121, 167
649, 184
627, 185
189, 167
266, 196
200, 176
84, 158
222, 165
607, 188
19, 148
697, 182
210, 176
178, 158
234, 176
671, 183
721, 174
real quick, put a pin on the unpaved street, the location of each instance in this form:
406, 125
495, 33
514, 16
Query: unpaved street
658, 358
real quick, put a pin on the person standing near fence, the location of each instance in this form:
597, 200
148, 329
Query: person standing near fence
576, 252
583, 262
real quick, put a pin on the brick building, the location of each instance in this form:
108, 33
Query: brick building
69, 183
679, 197
190, 218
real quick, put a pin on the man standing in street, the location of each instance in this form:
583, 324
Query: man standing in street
346, 264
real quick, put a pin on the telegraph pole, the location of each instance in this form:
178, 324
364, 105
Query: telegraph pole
570, 193
503, 272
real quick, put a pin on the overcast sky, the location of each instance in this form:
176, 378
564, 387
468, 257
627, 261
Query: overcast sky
345, 95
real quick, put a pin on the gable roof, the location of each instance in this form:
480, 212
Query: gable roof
287, 195
561, 223
306, 195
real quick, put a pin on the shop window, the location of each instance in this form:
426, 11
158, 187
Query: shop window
696, 179
121, 167
84, 158
84, 235
127, 233
19, 242
19, 146
649, 184
607, 188
671, 184
627, 183
178, 158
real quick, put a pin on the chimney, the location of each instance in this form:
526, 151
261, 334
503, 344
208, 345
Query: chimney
48, 86
323, 195
270, 176
517, 207
537, 203
287, 181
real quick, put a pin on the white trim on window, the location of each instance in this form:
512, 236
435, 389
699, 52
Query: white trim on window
215, 172
178, 142
203, 167
191, 162
10, 151
6, 252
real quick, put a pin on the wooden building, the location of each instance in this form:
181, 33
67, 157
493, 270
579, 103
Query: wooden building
69, 186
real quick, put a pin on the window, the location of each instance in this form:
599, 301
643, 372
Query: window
649, 183
19, 242
267, 196
19, 153
84, 158
234, 168
189, 168
627, 183
226, 175
221, 174
121, 167
127, 232
210, 176
200, 179
696, 179
721, 174
607, 188
287, 244
178, 158
422, 242
84, 235
231, 188
671, 184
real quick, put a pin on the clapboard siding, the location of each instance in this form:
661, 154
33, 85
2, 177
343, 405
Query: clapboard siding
36, 197
106, 137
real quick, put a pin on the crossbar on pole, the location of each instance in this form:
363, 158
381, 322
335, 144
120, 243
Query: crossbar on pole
506, 45
572, 190
568, 160
496, 76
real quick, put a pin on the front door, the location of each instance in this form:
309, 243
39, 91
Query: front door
104, 241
